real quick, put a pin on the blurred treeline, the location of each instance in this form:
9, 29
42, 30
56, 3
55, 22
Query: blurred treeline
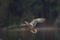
14, 11
17, 10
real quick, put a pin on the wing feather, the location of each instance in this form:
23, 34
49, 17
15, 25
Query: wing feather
38, 20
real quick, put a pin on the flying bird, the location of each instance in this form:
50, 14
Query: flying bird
33, 23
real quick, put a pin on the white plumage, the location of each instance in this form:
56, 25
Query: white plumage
38, 20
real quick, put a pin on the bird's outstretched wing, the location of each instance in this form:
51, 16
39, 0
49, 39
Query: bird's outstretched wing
38, 20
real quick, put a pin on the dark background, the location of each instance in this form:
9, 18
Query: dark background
13, 12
